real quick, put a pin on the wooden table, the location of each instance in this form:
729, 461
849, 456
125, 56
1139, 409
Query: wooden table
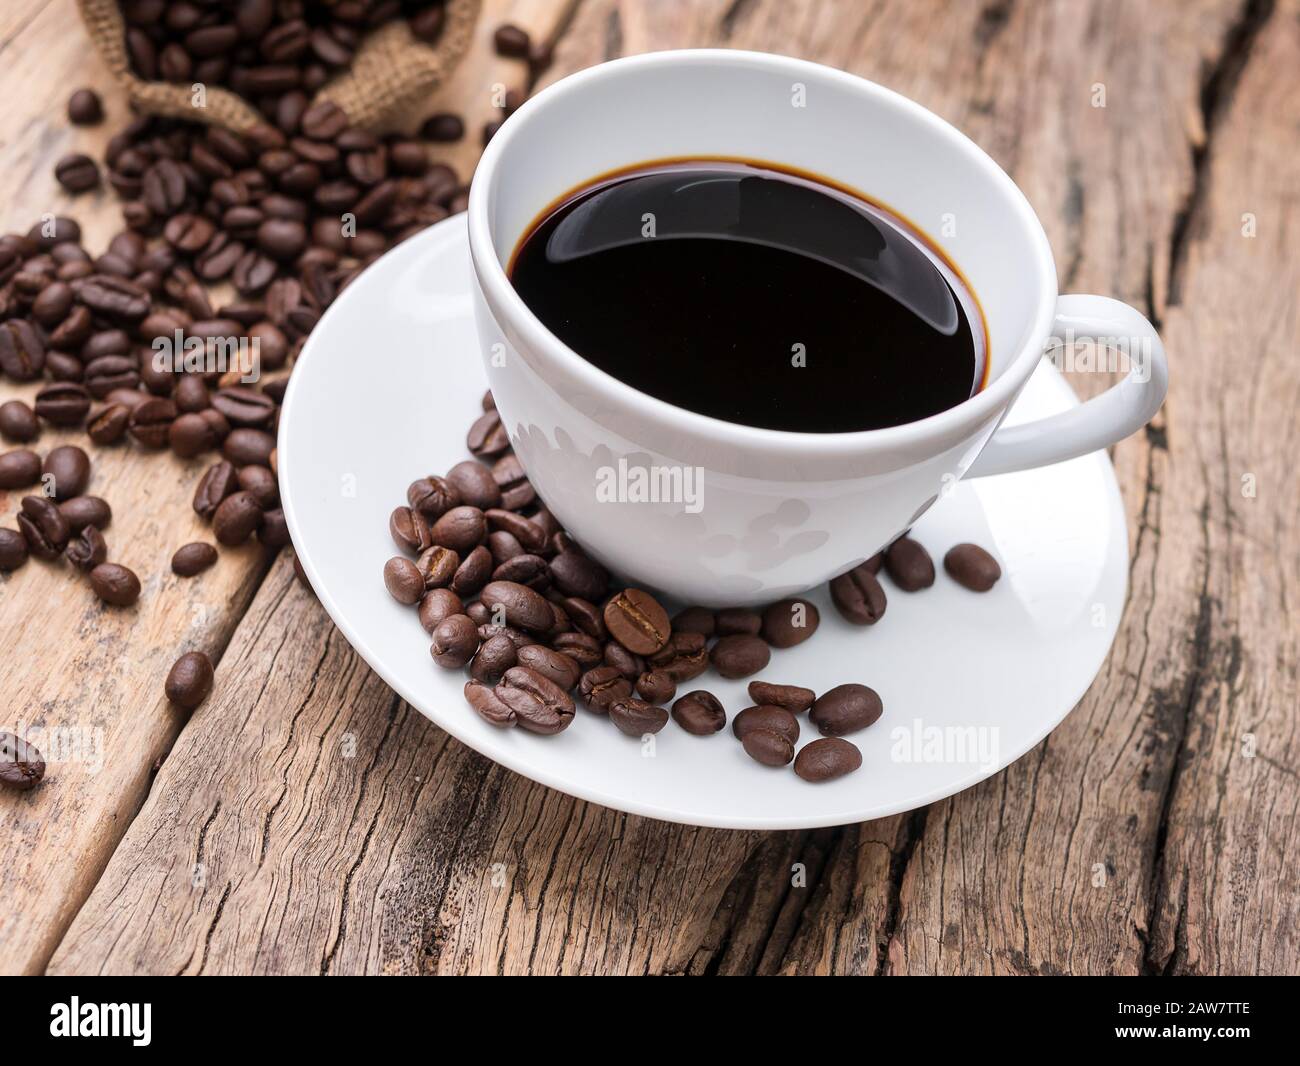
307, 820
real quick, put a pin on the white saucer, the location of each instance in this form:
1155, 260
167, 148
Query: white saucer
383, 393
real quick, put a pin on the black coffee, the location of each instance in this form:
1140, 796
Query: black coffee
755, 296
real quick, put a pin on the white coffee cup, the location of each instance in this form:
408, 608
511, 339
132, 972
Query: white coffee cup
755, 514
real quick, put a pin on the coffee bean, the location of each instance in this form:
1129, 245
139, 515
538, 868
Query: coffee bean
739, 656
858, 596
21, 765
244, 407
519, 605
824, 760
409, 530
13, 549
625, 662
511, 41
461, 529
683, 658
488, 705
845, 709
576, 574
403, 580
63, 404
655, 686
772, 718
246, 446
531, 535
737, 621
503, 546
792, 698
262, 483
77, 173
44, 526
114, 298
474, 572
636, 620
110, 372
487, 437
475, 485
189, 681
540, 705
83, 511
324, 121
487, 630
193, 558
151, 422
443, 127
191, 435
601, 686
972, 567
790, 622
494, 657
586, 618
768, 747
699, 713
236, 518
437, 604
19, 468
455, 640
109, 425
530, 570
115, 584
438, 566
87, 550
635, 717
909, 565
85, 108
433, 496
217, 483
553, 665
53, 304
18, 422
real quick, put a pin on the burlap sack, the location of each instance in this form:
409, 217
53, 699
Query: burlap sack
390, 72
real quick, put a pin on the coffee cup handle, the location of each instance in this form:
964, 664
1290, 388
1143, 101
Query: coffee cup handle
1100, 422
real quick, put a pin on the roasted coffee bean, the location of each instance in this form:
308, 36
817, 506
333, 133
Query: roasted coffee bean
110, 372
792, 698
433, 496
699, 713
87, 549
845, 709
18, 422
63, 404
190, 435
488, 630
193, 558
461, 528
503, 546
274, 530
19, 468
236, 518
115, 584
44, 526
83, 511
85, 108
151, 422
437, 604
443, 128
601, 686
244, 407
13, 549
403, 580
909, 565
262, 483
772, 718
438, 566
247, 446
324, 121
790, 622
22, 351
683, 658
67, 470
625, 662
540, 705
768, 747
473, 573
551, 664
455, 640
531, 535
49, 232
189, 681
77, 173
408, 528
637, 718
191, 394
824, 760
108, 425
874, 564
739, 656
487, 437
972, 567
517, 491
636, 620
858, 596
53, 304
576, 574
511, 41
519, 605
488, 705
218, 482
655, 686
114, 298
494, 657
21, 765
530, 570
737, 621
587, 618
474, 483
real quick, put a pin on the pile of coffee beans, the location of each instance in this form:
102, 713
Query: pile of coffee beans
273, 53
503, 590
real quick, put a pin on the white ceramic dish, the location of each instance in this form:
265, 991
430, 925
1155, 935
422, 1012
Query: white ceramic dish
383, 393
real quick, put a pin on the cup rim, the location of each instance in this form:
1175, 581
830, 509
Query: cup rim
988, 404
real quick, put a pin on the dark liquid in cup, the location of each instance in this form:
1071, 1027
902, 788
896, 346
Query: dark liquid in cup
755, 296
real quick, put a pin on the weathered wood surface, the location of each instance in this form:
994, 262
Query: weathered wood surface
307, 821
